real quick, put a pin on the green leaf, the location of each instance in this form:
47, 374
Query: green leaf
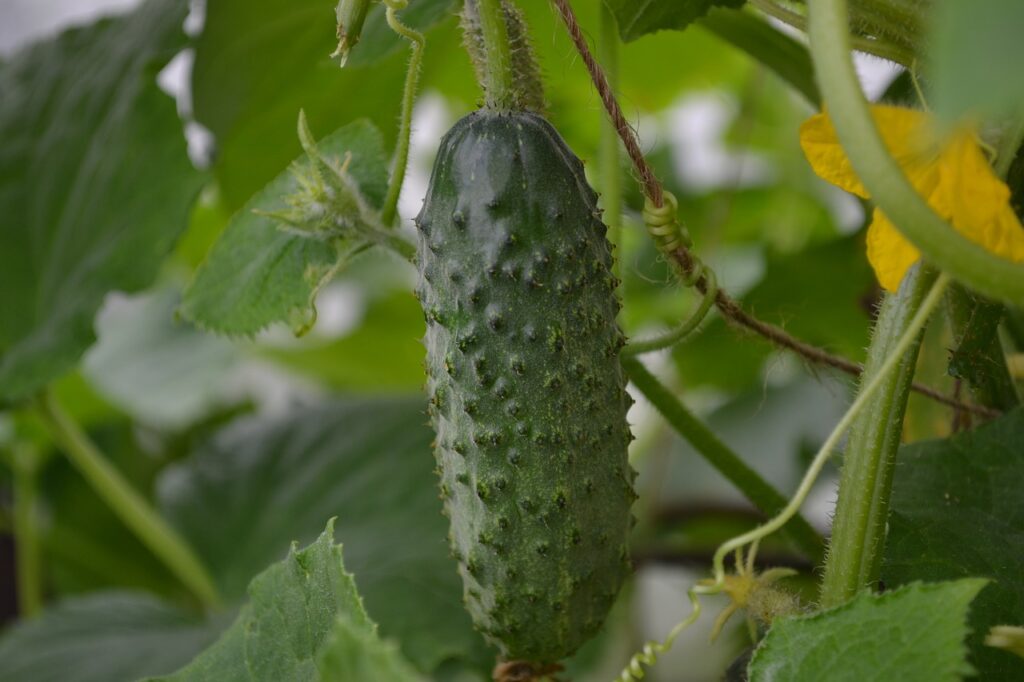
368, 462
257, 63
379, 41
95, 184
956, 510
256, 273
971, 47
639, 18
162, 372
352, 652
913, 634
293, 609
774, 49
105, 637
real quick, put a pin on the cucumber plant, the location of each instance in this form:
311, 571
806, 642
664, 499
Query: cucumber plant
499, 519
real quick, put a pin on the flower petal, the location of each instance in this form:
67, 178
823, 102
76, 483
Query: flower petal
976, 201
903, 130
888, 252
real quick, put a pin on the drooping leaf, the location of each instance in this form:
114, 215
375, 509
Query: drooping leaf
639, 18
772, 48
971, 46
95, 184
293, 610
104, 637
957, 510
367, 462
256, 273
913, 634
162, 372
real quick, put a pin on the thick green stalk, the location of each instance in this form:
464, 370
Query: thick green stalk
412, 77
499, 85
25, 524
889, 188
858, 529
611, 168
133, 510
760, 493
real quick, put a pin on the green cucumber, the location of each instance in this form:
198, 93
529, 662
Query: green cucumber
526, 393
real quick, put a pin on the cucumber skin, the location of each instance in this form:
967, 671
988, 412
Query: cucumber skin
527, 397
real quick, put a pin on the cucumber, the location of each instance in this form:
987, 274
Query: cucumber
526, 393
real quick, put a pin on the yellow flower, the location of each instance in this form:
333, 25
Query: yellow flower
953, 176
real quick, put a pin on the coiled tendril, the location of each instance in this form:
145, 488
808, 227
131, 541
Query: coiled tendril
669, 235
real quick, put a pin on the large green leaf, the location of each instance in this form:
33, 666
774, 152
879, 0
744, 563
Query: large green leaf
972, 45
913, 634
161, 371
105, 637
379, 41
639, 18
256, 273
357, 653
369, 463
957, 510
296, 609
95, 184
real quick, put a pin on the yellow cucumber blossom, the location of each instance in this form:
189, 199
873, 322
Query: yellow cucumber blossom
952, 175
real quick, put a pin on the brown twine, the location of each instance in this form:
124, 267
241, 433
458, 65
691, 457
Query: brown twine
727, 305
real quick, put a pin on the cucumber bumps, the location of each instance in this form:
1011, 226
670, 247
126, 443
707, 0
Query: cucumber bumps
526, 393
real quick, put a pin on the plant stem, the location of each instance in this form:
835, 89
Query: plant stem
760, 493
499, 83
133, 510
858, 528
866, 394
877, 47
611, 170
412, 77
888, 187
25, 524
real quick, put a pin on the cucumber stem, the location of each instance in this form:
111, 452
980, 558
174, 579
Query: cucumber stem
412, 77
133, 509
865, 486
760, 493
499, 85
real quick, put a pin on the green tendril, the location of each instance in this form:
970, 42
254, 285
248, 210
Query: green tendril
669, 235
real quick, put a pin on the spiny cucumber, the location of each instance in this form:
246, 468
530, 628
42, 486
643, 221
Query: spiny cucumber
526, 393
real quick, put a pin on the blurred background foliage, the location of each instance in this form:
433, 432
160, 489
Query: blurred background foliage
247, 444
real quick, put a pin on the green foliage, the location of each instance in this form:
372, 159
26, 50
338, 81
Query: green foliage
304, 621
638, 18
103, 637
266, 482
913, 634
972, 43
259, 272
96, 185
957, 511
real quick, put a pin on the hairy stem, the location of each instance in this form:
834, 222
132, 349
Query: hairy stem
866, 394
858, 528
889, 188
412, 77
499, 85
133, 509
760, 493
25, 524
